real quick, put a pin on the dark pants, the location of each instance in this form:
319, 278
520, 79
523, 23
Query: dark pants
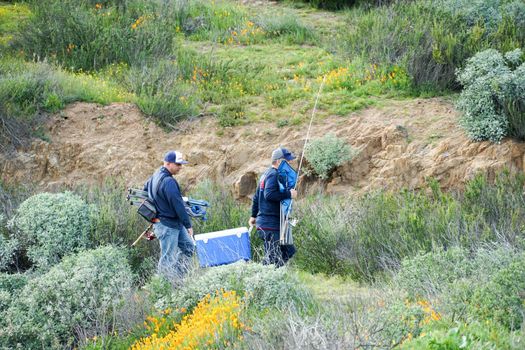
274, 252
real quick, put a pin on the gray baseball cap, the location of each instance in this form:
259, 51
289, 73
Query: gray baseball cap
282, 153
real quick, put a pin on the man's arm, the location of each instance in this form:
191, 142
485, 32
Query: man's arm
271, 189
255, 207
177, 204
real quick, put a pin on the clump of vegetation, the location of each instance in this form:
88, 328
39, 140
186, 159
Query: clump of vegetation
89, 35
78, 298
493, 99
50, 226
375, 233
260, 286
327, 153
214, 320
431, 39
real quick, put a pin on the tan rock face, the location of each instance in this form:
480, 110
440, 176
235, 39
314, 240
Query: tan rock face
399, 145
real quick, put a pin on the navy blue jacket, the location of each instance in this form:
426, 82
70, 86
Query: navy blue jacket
266, 201
168, 199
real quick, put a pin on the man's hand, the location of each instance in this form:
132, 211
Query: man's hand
190, 231
293, 193
251, 222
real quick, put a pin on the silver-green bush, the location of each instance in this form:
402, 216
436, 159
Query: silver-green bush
326, 153
493, 97
261, 286
52, 225
79, 297
8, 246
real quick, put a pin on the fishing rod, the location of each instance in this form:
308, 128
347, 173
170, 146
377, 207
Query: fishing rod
283, 236
309, 128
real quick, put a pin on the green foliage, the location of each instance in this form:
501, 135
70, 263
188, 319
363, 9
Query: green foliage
114, 221
28, 89
475, 335
10, 287
501, 299
493, 100
319, 236
161, 92
327, 153
8, 248
232, 114
78, 298
84, 35
261, 287
432, 273
288, 27
50, 226
431, 39
11, 15
336, 4
366, 236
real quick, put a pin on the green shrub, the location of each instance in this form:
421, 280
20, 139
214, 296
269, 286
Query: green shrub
287, 26
162, 94
30, 89
8, 249
502, 300
430, 274
85, 35
431, 39
474, 335
114, 221
232, 114
492, 96
50, 226
367, 235
320, 236
261, 287
10, 287
76, 299
326, 153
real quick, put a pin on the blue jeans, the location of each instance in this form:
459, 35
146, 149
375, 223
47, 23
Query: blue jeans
176, 250
274, 252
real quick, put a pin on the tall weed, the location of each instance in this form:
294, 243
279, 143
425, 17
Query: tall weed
85, 35
430, 39
365, 236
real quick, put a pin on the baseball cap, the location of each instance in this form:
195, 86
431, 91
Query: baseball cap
282, 153
174, 157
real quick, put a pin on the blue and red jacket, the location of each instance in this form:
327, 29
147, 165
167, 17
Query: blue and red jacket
168, 199
266, 201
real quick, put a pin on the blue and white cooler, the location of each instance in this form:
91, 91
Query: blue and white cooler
223, 247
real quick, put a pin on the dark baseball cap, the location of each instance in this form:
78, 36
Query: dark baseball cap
174, 157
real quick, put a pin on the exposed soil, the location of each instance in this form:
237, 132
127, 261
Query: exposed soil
399, 145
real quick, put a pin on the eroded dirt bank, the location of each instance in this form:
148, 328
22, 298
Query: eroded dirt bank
399, 145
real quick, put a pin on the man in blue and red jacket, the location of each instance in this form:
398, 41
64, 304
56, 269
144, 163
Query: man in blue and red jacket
173, 229
266, 210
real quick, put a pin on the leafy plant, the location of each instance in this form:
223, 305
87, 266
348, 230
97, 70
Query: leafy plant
77, 298
326, 153
492, 97
259, 285
50, 226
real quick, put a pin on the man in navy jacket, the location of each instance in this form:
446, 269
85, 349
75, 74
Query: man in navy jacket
173, 230
266, 210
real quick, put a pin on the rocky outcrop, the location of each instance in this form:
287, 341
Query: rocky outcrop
400, 145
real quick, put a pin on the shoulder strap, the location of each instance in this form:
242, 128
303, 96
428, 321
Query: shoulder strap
156, 181
262, 184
